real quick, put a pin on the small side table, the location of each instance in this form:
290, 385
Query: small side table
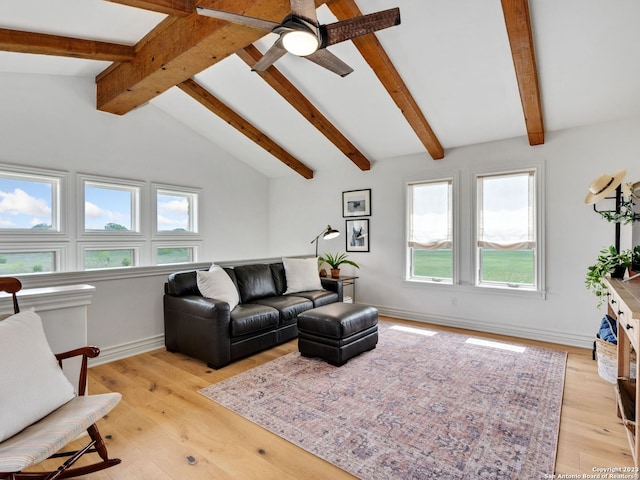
347, 280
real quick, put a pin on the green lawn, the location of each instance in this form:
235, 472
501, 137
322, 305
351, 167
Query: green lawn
497, 265
433, 263
508, 266
174, 255
15, 263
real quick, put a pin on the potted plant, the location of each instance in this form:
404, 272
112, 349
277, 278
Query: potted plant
609, 262
334, 261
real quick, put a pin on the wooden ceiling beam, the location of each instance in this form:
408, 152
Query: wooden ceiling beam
179, 48
179, 8
251, 55
44, 44
372, 51
518, 22
214, 104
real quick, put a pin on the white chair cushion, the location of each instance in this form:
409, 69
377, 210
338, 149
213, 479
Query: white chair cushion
44, 438
217, 284
31, 382
301, 274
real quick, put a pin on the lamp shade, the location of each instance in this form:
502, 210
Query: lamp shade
330, 233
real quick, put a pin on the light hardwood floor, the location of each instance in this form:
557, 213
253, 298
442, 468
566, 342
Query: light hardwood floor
164, 430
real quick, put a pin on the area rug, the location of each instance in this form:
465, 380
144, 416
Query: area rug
423, 405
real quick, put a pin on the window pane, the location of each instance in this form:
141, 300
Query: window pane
430, 233
175, 212
431, 215
433, 264
174, 255
107, 208
26, 204
27, 262
506, 210
515, 267
107, 259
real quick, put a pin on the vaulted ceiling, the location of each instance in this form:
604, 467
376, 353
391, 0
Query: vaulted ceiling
452, 73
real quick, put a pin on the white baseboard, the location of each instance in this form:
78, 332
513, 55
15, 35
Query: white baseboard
118, 352
562, 338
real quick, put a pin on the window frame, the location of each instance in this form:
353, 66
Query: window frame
58, 181
59, 250
453, 180
155, 246
136, 188
539, 222
195, 220
136, 247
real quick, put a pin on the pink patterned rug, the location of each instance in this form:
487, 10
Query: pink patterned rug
422, 405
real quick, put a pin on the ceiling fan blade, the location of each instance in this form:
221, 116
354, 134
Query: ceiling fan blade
328, 60
237, 18
354, 27
270, 57
305, 9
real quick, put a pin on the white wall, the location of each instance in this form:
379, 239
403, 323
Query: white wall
574, 233
52, 122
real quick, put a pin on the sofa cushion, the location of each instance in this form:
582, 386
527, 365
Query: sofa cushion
289, 306
319, 297
277, 270
254, 282
250, 317
301, 274
216, 284
32, 384
183, 283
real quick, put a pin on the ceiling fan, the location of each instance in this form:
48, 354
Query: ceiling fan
301, 35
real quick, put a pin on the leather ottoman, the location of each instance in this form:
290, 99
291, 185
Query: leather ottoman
337, 332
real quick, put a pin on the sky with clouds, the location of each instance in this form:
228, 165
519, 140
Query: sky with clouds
24, 204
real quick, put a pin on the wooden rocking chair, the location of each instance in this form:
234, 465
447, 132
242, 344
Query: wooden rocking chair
44, 437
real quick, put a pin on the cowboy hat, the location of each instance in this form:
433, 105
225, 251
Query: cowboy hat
603, 185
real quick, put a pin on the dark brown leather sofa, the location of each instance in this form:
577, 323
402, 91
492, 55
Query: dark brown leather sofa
206, 329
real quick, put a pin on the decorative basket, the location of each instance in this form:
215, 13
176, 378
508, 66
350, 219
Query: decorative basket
607, 356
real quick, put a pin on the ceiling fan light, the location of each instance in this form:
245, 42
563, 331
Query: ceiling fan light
300, 43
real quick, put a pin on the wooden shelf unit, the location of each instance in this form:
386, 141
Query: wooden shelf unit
624, 305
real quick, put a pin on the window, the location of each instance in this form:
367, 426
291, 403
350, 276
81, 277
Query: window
176, 210
93, 257
430, 235
29, 200
175, 254
110, 206
25, 260
507, 219
176, 224
116, 223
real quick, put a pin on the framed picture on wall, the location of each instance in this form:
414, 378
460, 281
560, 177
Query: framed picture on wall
356, 203
357, 235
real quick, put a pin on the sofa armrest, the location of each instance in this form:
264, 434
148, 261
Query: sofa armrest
198, 327
333, 285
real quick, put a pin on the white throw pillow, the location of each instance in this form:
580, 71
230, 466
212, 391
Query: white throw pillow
217, 284
302, 274
32, 384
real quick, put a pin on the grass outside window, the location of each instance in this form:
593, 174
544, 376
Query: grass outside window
510, 267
